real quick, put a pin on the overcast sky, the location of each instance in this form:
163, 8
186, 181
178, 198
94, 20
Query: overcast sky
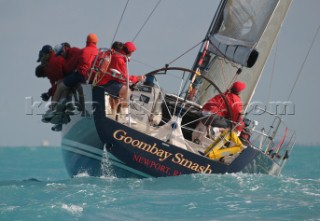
175, 26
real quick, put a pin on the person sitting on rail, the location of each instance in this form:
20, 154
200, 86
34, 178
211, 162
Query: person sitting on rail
78, 76
102, 62
115, 83
44, 54
51, 67
71, 56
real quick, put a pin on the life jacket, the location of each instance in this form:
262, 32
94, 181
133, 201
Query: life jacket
117, 71
100, 66
220, 146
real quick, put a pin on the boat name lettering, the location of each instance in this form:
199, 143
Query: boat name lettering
153, 149
163, 155
179, 159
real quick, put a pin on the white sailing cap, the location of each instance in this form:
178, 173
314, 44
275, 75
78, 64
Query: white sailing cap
58, 49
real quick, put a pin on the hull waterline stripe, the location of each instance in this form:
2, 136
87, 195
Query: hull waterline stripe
77, 151
82, 146
129, 169
82, 149
87, 148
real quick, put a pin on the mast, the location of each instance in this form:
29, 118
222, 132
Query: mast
241, 37
202, 55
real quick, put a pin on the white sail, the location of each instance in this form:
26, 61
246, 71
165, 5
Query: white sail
245, 38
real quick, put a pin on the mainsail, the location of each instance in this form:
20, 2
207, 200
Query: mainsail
241, 37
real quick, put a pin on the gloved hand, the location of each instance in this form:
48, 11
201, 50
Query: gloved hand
45, 96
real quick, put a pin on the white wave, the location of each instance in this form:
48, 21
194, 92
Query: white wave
9, 208
73, 209
311, 194
82, 174
109, 178
192, 205
58, 185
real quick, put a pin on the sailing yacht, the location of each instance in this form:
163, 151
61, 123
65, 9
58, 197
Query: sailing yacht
158, 139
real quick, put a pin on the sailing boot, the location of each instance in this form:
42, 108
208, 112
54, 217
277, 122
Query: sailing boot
57, 127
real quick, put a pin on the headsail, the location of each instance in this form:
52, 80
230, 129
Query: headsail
241, 37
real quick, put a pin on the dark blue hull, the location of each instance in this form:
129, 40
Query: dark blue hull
81, 148
83, 152
98, 145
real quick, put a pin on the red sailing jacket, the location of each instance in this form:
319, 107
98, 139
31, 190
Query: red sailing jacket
54, 70
119, 63
217, 106
87, 56
72, 56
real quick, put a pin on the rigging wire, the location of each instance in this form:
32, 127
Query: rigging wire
184, 53
273, 70
301, 68
125, 7
146, 21
142, 63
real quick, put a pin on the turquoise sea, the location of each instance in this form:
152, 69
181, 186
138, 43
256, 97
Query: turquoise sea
34, 186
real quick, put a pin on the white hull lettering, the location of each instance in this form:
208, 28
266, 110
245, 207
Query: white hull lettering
162, 154
121, 135
179, 159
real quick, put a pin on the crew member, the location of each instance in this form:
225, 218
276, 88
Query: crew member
217, 116
217, 109
116, 84
78, 76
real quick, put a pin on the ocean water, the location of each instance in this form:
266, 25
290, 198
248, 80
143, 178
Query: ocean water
34, 186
